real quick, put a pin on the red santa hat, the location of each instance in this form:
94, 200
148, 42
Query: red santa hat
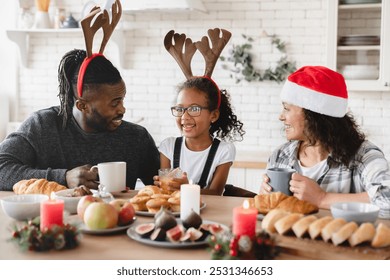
318, 89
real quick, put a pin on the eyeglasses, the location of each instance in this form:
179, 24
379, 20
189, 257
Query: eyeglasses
193, 111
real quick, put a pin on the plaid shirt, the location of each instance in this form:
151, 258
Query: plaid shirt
367, 172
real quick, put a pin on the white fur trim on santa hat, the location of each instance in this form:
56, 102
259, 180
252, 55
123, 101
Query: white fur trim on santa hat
318, 102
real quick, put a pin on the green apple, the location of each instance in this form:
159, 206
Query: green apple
100, 215
84, 202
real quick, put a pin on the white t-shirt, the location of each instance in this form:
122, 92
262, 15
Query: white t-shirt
314, 172
193, 162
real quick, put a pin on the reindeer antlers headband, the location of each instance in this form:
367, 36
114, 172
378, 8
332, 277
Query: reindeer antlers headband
210, 55
101, 20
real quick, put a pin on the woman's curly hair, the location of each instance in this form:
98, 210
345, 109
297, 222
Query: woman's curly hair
341, 136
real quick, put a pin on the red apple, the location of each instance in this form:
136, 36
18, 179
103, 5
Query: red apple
125, 209
100, 215
84, 202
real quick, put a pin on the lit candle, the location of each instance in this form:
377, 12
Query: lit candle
51, 213
189, 199
244, 220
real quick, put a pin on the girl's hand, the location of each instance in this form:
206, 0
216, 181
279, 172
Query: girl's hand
175, 183
265, 188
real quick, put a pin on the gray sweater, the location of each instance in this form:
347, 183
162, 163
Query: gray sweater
41, 148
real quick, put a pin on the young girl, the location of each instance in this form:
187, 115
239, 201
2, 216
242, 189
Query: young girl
205, 118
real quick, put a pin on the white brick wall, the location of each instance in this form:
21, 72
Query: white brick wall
151, 73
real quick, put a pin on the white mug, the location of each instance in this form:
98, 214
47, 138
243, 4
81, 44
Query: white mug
112, 175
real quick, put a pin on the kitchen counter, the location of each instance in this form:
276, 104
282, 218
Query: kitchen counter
251, 159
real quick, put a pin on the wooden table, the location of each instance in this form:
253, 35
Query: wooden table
218, 209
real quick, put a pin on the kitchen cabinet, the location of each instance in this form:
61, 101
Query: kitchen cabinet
359, 43
22, 38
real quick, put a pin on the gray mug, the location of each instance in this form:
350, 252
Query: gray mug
279, 179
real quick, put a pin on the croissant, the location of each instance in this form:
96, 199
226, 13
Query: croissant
266, 202
37, 186
293, 204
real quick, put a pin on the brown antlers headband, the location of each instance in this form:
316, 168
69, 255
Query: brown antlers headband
95, 20
175, 42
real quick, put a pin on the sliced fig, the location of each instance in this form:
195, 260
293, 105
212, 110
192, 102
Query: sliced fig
195, 234
145, 230
185, 237
215, 228
175, 233
193, 220
158, 234
165, 220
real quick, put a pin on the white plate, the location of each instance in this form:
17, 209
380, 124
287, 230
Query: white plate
84, 229
167, 244
176, 214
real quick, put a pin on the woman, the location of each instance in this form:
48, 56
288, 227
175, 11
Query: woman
333, 159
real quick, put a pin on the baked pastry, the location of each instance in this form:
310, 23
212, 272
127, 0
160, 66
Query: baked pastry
139, 202
174, 203
365, 233
295, 205
284, 224
344, 233
382, 236
37, 186
332, 227
266, 202
81, 191
155, 204
316, 226
302, 225
268, 223
149, 190
161, 195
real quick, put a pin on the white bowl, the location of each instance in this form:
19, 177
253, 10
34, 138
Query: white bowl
355, 211
23, 206
70, 202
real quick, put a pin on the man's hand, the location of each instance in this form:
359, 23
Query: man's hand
82, 175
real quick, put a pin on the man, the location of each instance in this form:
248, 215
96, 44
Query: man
62, 143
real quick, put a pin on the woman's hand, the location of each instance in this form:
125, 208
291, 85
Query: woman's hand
306, 189
265, 188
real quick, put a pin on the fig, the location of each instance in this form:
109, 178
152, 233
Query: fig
159, 212
158, 234
175, 233
193, 220
215, 228
194, 234
145, 230
165, 220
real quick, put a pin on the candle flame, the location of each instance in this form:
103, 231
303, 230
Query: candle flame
190, 182
245, 204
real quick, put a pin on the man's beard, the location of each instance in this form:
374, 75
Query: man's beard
97, 122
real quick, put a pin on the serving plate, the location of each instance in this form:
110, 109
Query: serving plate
85, 229
167, 244
176, 214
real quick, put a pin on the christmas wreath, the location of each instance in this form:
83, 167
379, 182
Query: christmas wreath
227, 246
30, 237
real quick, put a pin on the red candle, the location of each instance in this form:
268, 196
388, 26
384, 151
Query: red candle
51, 213
244, 220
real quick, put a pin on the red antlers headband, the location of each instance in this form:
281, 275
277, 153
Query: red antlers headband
101, 19
210, 55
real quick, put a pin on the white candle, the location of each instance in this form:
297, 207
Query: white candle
189, 199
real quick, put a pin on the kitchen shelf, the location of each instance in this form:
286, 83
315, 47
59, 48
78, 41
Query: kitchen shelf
22, 38
372, 19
